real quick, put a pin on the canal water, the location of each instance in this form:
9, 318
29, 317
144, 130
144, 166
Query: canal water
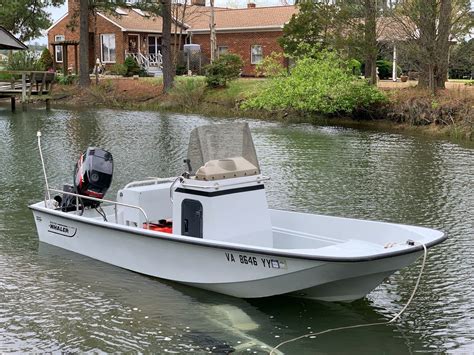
54, 300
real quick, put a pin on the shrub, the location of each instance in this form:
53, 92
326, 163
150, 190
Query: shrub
181, 69
188, 92
355, 67
119, 69
223, 70
23, 60
385, 69
66, 79
323, 84
132, 66
46, 60
271, 66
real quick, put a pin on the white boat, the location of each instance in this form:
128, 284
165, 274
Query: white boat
211, 228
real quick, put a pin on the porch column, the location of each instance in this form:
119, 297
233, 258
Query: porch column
54, 57
76, 62
394, 65
65, 57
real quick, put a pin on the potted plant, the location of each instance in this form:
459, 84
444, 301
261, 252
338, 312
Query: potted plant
404, 78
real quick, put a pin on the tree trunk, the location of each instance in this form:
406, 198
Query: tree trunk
370, 39
84, 80
427, 44
442, 47
212, 26
166, 46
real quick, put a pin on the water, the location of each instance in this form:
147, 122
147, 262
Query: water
54, 300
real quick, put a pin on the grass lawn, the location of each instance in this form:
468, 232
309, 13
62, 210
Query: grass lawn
236, 91
460, 80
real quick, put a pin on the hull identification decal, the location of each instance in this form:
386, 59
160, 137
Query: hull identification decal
255, 261
61, 229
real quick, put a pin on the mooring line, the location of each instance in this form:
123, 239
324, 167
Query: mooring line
394, 318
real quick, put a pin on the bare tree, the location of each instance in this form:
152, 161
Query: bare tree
183, 14
428, 26
212, 26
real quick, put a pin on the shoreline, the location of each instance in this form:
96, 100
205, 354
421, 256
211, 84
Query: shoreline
449, 116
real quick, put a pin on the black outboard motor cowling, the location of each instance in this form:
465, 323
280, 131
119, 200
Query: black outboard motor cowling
93, 175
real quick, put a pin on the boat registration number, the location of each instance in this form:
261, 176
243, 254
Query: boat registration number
256, 261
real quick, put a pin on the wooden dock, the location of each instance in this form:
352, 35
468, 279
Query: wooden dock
25, 85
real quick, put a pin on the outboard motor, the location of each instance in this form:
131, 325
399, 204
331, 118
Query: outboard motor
92, 177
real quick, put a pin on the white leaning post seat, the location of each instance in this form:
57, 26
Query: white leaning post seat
226, 169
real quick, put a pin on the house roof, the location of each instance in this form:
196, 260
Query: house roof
132, 20
272, 17
197, 19
9, 41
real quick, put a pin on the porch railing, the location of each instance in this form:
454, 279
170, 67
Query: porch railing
146, 61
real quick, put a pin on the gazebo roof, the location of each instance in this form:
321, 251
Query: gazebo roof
9, 41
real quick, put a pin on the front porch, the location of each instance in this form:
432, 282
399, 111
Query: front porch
145, 48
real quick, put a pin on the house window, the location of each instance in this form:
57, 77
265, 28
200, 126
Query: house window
58, 51
256, 54
221, 50
107, 43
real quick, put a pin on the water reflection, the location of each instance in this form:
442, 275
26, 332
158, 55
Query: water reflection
54, 300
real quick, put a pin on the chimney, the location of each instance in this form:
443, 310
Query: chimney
198, 2
73, 6
251, 5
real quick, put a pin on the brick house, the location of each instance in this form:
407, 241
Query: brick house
251, 32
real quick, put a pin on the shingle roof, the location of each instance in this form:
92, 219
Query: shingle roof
246, 18
134, 21
198, 18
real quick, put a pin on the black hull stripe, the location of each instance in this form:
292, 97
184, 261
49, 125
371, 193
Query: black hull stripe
198, 241
219, 192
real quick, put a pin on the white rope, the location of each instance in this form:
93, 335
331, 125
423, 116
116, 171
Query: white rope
395, 317
38, 134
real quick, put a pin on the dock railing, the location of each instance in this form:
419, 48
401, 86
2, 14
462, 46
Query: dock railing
25, 84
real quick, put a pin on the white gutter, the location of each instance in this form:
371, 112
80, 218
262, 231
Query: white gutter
239, 29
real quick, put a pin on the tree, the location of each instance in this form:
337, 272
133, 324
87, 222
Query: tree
162, 8
84, 79
370, 40
429, 26
168, 72
348, 27
87, 10
212, 26
26, 18
46, 59
314, 27
461, 61
182, 14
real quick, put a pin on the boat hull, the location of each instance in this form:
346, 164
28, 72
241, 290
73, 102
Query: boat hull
224, 269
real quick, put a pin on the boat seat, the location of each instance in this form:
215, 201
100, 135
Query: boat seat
226, 169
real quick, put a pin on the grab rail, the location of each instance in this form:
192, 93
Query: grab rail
115, 203
153, 181
180, 178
